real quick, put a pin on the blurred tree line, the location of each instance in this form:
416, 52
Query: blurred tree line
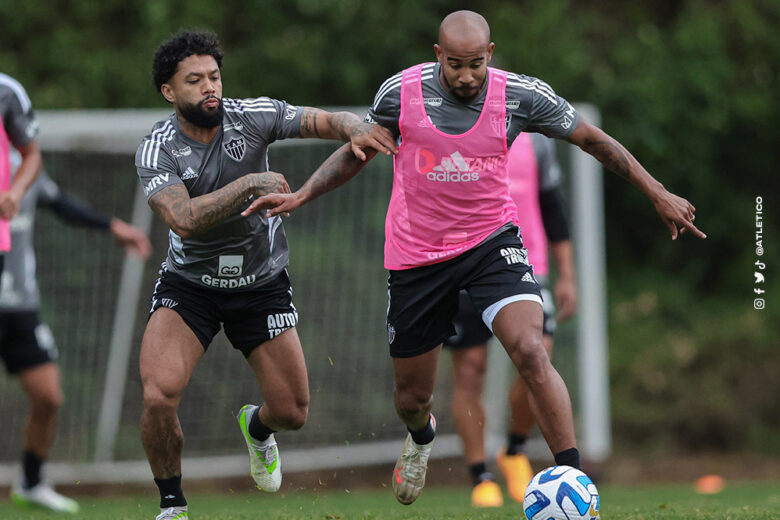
690, 87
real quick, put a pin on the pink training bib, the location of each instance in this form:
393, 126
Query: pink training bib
450, 192
524, 190
5, 181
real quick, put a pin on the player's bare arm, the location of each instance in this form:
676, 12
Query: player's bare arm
337, 169
189, 216
347, 127
676, 212
25, 176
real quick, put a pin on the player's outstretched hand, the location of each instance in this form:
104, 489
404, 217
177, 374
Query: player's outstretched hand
275, 203
678, 214
131, 238
368, 135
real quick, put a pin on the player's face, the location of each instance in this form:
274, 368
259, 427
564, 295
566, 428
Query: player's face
196, 90
464, 66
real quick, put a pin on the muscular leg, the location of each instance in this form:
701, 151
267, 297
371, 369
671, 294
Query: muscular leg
469, 376
281, 372
42, 385
169, 353
415, 378
518, 326
521, 419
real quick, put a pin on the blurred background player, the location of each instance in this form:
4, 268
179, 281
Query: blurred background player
535, 186
27, 345
199, 169
18, 130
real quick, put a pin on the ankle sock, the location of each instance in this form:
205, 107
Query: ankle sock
479, 473
257, 429
425, 435
570, 457
515, 443
31, 465
171, 494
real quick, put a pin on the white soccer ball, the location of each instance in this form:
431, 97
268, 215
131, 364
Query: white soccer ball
561, 493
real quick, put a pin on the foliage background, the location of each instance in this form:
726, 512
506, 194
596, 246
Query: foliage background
690, 87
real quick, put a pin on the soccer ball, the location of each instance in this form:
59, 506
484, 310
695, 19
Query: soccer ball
561, 493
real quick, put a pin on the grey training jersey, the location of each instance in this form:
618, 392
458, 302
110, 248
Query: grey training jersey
19, 288
550, 176
531, 106
239, 252
16, 111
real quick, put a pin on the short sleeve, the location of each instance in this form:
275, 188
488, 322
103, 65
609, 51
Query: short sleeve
386, 108
550, 176
156, 167
544, 111
19, 119
271, 119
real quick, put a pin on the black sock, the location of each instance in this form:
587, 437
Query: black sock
171, 494
31, 464
257, 429
570, 457
425, 435
515, 443
479, 473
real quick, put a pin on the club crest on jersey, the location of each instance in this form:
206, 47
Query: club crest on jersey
498, 123
235, 148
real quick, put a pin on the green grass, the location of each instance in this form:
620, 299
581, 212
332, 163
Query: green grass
743, 501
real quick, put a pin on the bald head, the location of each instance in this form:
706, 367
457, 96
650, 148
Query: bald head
464, 51
464, 27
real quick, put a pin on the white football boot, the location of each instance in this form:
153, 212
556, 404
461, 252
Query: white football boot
44, 497
264, 462
173, 513
409, 472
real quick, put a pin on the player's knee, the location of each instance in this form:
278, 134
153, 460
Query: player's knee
529, 355
48, 403
158, 399
294, 416
410, 402
469, 374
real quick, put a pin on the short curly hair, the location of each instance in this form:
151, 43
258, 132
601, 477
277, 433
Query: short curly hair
181, 45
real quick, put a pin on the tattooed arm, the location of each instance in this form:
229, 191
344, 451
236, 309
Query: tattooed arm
676, 212
347, 127
337, 169
188, 216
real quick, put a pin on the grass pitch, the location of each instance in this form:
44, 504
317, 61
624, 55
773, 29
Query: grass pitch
740, 501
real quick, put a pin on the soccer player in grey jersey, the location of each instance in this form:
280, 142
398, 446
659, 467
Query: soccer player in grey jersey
199, 168
452, 92
26, 345
18, 128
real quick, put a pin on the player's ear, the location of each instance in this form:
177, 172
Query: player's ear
491, 47
439, 53
167, 91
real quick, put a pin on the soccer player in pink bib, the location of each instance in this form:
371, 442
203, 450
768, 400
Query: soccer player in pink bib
452, 225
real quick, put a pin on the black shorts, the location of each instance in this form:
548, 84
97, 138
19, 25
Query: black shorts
424, 300
250, 317
471, 331
25, 342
